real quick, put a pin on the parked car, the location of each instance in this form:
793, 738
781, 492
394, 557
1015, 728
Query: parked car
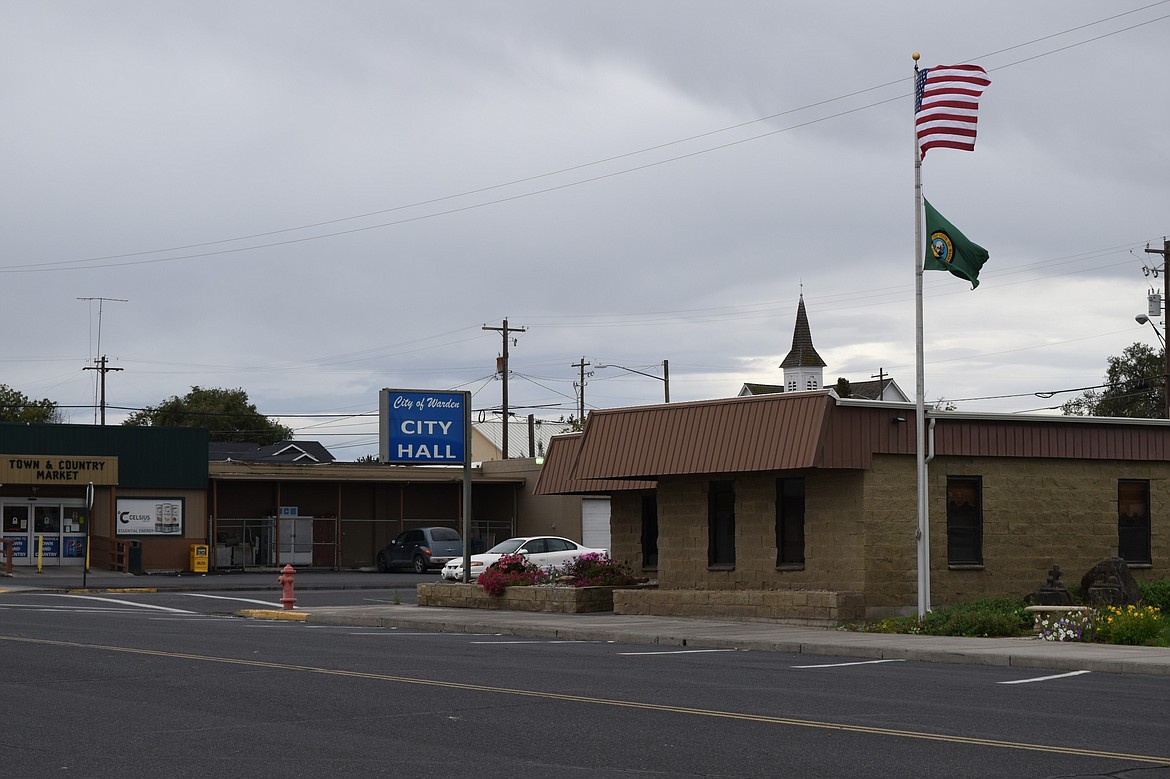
545, 551
421, 549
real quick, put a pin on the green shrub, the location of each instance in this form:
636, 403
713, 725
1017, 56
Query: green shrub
987, 617
992, 617
1156, 594
1129, 625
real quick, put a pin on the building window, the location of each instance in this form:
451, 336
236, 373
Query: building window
649, 531
964, 520
812, 383
792, 386
790, 522
721, 524
1133, 521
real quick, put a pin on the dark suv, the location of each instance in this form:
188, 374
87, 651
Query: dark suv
421, 549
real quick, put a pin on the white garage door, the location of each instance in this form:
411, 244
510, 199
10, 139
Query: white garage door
595, 522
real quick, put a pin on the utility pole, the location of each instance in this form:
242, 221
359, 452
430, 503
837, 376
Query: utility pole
101, 367
581, 396
502, 368
1165, 252
100, 364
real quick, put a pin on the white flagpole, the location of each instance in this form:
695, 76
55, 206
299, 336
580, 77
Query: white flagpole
923, 532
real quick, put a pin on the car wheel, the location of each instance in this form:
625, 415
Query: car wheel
383, 565
420, 564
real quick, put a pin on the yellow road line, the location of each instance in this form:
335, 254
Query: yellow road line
655, 707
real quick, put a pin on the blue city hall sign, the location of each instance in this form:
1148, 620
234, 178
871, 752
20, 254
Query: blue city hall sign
421, 427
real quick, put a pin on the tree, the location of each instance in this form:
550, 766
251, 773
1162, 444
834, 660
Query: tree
15, 406
227, 415
1134, 387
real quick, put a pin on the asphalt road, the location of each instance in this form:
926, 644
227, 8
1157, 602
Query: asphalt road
169, 685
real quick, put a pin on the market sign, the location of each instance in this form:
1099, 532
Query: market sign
57, 469
421, 427
149, 517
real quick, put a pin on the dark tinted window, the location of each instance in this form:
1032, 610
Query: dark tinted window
1133, 520
790, 521
443, 534
721, 523
649, 531
964, 520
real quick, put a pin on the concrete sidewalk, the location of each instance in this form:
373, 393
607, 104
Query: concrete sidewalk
665, 632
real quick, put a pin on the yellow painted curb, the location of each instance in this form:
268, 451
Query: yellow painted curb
297, 616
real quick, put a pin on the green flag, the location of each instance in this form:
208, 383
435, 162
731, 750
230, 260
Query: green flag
948, 249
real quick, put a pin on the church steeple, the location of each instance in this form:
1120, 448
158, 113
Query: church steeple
803, 367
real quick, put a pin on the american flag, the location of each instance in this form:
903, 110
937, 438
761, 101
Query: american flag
946, 104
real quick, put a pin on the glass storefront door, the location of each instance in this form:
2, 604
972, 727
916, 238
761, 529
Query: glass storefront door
51, 532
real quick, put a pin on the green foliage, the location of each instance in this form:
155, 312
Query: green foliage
1130, 625
15, 406
987, 617
227, 415
576, 425
990, 617
1156, 594
1133, 387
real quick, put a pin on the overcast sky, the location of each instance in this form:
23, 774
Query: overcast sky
315, 200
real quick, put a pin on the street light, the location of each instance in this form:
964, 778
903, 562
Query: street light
664, 378
1142, 319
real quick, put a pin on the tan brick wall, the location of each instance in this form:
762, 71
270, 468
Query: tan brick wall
860, 529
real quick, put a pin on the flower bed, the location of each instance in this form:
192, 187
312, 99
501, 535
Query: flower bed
582, 585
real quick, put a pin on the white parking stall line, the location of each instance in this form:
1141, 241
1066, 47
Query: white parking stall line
511, 642
1045, 678
857, 662
676, 652
125, 603
274, 604
388, 633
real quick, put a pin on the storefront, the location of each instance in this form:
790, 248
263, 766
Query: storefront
76, 493
47, 520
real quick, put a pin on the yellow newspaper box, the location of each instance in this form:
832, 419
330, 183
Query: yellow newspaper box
199, 558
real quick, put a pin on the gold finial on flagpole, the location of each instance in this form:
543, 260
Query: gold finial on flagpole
915, 56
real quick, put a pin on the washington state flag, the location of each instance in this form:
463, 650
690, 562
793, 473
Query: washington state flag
948, 249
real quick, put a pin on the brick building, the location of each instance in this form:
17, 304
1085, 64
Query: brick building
802, 505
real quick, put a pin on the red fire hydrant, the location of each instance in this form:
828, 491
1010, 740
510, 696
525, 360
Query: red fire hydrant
285, 580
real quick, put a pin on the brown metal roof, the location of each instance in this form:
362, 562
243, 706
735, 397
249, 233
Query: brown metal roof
557, 476
777, 432
755, 433
1075, 437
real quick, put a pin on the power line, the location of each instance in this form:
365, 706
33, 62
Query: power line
77, 264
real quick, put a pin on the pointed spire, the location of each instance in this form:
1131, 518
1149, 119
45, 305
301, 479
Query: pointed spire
803, 354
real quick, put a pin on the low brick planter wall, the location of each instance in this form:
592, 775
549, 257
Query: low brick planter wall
821, 608
563, 600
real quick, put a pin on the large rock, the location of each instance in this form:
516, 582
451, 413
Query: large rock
1109, 583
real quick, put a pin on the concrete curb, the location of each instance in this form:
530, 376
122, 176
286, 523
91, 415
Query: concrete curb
277, 614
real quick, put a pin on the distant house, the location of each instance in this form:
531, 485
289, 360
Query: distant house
303, 452
526, 438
